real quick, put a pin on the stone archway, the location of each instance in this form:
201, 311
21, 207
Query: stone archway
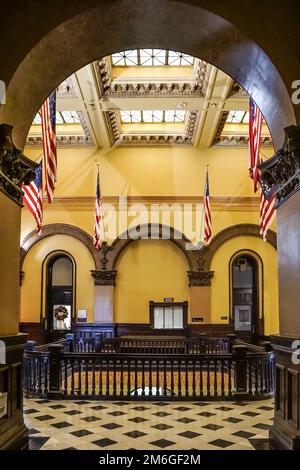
207, 30
219, 32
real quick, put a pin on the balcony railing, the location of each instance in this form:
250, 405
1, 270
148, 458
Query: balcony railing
56, 371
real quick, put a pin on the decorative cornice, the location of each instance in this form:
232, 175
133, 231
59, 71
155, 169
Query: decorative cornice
200, 278
104, 278
235, 140
237, 91
221, 125
282, 171
239, 141
87, 131
62, 141
15, 168
145, 88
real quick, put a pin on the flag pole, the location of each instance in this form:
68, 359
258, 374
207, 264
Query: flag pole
202, 219
102, 213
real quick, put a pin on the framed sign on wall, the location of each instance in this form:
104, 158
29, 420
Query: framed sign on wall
81, 315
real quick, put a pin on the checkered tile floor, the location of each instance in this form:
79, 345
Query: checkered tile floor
88, 425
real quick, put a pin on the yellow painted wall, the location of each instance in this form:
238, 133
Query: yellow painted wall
148, 270
220, 283
31, 288
152, 172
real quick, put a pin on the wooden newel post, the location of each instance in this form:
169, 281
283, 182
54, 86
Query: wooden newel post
98, 340
70, 339
240, 357
203, 339
267, 346
231, 340
55, 355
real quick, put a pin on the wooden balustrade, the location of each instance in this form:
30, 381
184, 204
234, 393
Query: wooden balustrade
63, 373
151, 345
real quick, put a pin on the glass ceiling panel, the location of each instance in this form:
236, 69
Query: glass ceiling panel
238, 117
149, 116
62, 117
151, 57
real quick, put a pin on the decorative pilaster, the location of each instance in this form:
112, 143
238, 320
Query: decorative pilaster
15, 168
200, 278
282, 171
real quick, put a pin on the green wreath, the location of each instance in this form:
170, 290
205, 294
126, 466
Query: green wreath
60, 313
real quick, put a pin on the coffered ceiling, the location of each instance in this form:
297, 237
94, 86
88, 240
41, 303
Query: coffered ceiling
150, 97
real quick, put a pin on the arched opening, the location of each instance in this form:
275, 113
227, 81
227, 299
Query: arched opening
245, 295
59, 294
181, 26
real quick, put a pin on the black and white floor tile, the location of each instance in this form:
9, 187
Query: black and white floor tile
90, 425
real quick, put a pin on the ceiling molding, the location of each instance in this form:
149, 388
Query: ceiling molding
156, 88
239, 141
218, 203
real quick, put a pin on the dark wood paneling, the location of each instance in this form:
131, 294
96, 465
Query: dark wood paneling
13, 433
288, 237
285, 432
37, 333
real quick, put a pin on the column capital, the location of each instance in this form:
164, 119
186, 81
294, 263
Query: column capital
104, 277
200, 278
282, 171
15, 168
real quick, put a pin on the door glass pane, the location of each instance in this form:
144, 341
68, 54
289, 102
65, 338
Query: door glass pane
158, 317
242, 274
168, 317
178, 317
62, 272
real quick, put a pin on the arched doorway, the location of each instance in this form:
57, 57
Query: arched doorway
59, 294
244, 294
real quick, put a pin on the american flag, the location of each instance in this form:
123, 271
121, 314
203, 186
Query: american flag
48, 115
267, 209
207, 212
33, 197
255, 123
98, 218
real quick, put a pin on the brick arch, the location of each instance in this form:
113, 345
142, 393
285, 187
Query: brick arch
206, 254
59, 229
148, 232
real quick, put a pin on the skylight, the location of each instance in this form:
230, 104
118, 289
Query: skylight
146, 116
62, 117
151, 57
238, 117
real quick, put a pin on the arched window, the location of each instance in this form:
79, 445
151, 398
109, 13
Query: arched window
245, 294
59, 292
